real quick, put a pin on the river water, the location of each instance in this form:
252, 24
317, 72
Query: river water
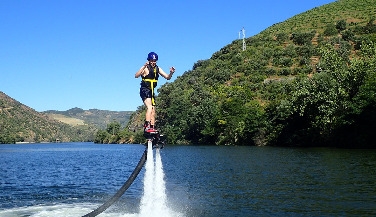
72, 179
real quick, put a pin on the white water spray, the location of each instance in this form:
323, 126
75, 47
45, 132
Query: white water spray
160, 194
147, 200
153, 202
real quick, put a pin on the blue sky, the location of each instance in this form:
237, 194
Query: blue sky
60, 54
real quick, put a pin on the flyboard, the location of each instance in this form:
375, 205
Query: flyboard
155, 139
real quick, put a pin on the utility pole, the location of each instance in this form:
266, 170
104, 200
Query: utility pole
243, 33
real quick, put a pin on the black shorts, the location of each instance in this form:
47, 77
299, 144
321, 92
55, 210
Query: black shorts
146, 93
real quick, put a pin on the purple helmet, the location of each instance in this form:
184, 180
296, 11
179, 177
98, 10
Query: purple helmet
152, 56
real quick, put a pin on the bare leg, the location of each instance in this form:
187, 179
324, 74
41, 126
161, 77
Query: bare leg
149, 109
152, 118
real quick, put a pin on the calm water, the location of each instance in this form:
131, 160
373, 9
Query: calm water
73, 179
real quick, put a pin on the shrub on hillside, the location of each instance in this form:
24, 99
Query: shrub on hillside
330, 30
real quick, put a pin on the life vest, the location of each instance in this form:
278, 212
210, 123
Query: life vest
150, 81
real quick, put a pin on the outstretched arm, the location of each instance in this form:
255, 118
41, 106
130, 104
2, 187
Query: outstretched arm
169, 76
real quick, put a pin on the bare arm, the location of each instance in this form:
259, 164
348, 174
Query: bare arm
142, 70
169, 76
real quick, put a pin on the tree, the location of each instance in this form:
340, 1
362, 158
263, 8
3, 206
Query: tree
348, 35
282, 37
341, 25
330, 30
113, 128
302, 38
101, 136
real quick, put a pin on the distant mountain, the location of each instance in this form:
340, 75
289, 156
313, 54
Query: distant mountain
20, 123
98, 118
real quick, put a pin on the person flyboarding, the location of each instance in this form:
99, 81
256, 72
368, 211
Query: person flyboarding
149, 73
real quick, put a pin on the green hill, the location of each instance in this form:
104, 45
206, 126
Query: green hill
355, 13
98, 118
308, 81
20, 123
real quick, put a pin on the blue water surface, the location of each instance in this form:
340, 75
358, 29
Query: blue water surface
200, 180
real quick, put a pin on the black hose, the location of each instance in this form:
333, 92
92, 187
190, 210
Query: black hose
121, 191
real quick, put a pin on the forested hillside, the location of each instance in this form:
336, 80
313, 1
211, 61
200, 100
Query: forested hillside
308, 81
20, 123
